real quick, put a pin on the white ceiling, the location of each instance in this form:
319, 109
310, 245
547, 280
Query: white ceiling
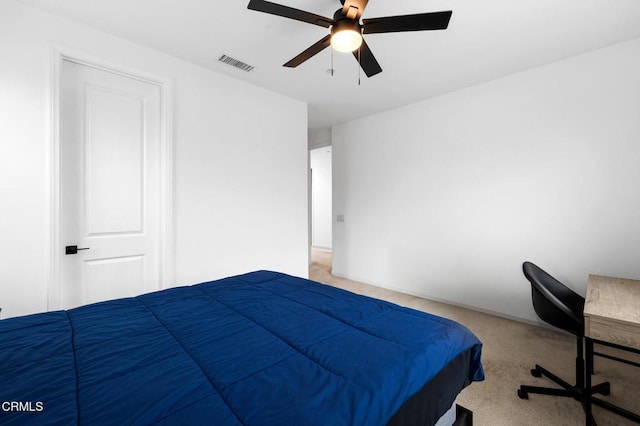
485, 40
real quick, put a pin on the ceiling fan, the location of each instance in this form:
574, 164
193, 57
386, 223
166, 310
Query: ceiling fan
347, 29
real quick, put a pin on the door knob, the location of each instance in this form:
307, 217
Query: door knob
73, 249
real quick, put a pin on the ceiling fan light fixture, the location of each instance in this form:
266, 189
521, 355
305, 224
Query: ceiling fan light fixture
346, 36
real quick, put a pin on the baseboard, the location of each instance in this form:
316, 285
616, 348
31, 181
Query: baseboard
464, 416
421, 295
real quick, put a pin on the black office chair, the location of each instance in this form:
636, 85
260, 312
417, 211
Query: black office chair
561, 307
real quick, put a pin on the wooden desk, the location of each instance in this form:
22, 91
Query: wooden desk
611, 318
612, 310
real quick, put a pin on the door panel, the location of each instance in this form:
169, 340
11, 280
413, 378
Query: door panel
116, 276
109, 183
114, 143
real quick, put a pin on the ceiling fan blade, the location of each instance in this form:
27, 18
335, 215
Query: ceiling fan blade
310, 52
418, 22
289, 12
368, 62
353, 9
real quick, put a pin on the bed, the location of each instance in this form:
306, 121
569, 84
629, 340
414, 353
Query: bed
262, 348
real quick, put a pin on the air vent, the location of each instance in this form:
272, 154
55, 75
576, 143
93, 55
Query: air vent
235, 63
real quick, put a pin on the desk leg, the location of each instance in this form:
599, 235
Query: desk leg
590, 400
587, 377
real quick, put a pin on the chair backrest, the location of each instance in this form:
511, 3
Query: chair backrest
554, 302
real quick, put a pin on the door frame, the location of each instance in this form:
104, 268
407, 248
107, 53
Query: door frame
58, 54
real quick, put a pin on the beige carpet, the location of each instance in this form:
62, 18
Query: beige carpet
510, 350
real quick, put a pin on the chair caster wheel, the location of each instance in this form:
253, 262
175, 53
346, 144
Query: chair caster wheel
522, 394
536, 373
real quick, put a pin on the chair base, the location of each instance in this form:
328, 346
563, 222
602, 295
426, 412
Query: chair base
576, 392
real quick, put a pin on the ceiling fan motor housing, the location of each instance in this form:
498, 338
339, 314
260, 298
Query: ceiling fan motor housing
342, 23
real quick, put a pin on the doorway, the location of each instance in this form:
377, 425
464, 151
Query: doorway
321, 203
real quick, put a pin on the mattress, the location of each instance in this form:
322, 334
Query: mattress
263, 348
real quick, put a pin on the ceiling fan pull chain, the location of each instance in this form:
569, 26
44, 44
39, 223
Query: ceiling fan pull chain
331, 62
359, 64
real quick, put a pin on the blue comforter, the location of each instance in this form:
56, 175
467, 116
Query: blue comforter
262, 348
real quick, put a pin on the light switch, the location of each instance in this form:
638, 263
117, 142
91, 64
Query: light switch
340, 218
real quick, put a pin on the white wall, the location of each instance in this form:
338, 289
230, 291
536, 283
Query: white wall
320, 160
447, 197
240, 161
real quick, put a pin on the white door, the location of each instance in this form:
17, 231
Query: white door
109, 184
